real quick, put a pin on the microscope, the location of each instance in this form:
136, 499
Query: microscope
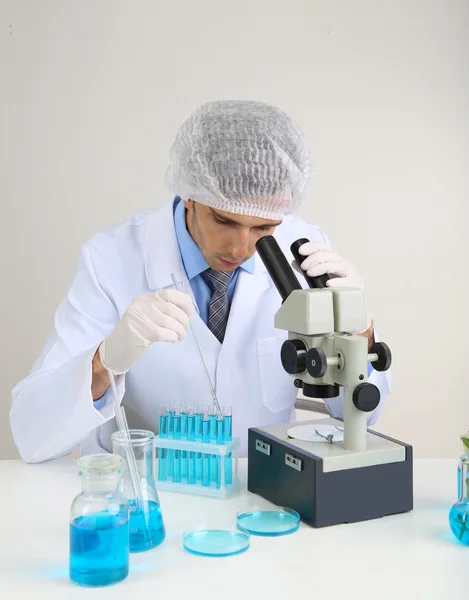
330, 470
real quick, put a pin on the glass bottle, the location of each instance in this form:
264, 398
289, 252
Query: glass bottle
99, 523
147, 529
459, 513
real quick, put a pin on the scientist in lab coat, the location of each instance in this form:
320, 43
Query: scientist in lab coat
238, 171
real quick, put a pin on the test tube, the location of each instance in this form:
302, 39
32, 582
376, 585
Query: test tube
170, 427
191, 467
213, 440
163, 452
198, 437
184, 465
177, 452
228, 437
220, 441
206, 456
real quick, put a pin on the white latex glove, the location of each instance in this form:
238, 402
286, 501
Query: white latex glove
321, 259
161, 316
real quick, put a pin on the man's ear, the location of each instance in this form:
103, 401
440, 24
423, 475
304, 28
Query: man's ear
188, 203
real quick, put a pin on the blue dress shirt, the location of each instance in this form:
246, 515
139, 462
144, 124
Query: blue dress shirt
195, 263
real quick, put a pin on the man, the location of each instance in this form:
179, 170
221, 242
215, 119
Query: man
238, 170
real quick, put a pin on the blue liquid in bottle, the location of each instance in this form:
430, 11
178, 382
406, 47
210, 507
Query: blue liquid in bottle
99, 549
146, 527
459, 522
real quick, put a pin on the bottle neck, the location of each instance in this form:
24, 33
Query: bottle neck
464, 483
100, 486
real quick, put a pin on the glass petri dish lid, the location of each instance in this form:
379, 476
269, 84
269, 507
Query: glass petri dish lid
216, 542
268, 522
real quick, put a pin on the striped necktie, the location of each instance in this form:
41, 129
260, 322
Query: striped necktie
219, 304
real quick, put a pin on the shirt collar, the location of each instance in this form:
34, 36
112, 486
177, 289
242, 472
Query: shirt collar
192, 258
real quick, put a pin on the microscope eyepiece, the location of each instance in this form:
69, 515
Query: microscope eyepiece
278, 266
313, 282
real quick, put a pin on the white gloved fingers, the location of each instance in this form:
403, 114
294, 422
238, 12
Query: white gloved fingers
332, 268
180, 299
176, 313
312, 247
149, 312
322, 257
153, 315
353, 280
170, 333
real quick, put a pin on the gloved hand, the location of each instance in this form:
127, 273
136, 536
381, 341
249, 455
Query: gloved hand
161, 316
321, 259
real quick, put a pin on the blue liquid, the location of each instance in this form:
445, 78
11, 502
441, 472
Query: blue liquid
198, 466
162, 464
459, 522
99, 549
220, 431
146, 527
177, 466
206, 470
228, 459
170, 455
269, 522
198, 425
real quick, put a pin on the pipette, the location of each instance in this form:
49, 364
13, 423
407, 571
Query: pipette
123, 427
212, 389
131, 461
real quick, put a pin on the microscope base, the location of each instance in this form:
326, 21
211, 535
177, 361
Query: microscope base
326, 484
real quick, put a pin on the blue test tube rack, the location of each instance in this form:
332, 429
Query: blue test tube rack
201, 450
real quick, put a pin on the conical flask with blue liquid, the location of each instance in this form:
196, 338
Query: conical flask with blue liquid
147, 528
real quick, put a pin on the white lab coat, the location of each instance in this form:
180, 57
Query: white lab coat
53, 409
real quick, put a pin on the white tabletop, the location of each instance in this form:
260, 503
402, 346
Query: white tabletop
401, 557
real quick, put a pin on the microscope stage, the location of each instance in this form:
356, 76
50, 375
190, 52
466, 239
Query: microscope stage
380, 450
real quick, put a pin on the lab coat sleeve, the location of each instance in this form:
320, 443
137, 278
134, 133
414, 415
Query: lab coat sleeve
52, 408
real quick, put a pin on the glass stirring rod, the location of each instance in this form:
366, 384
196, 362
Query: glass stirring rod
212, 390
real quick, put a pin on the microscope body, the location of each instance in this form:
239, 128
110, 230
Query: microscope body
323, 355
367, 475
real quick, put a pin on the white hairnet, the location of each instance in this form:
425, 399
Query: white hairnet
241, 157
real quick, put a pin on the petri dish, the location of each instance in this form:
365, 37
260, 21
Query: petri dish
259, 521
216, 542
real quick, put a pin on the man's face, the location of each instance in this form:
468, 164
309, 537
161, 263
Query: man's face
225, 239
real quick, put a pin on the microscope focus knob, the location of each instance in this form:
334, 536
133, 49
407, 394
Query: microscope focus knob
316, 362
366, 397
293, 356
384, 356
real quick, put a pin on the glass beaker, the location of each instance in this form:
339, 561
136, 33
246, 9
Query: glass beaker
99, 523
146, 521
459, 513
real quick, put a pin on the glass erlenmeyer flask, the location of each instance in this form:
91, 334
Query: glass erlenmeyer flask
459, 513
146, 521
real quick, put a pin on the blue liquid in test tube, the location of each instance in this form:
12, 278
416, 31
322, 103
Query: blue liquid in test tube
228, 438
170, 456
184, 462
163, 452
206, 457
220, 441
177, 453
213, 440
198, 437
191, 467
